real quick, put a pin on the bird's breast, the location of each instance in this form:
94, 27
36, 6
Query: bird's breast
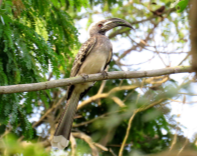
97, 58
93, 64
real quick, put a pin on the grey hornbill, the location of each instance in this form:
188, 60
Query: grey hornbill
93, 57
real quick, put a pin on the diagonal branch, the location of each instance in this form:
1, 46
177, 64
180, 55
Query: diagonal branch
91, 78
127, 133
131, 119
123, 30
49, 111
94, 146
105, 95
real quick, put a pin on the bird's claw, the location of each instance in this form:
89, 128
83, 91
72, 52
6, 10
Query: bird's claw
104, 73
84, 76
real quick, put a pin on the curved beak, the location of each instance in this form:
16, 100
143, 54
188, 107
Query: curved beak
114, 22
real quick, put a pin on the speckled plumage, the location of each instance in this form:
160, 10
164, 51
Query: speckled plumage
93, 57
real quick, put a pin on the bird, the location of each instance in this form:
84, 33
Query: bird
93, 57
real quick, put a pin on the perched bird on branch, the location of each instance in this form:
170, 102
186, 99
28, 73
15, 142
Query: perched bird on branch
93, 57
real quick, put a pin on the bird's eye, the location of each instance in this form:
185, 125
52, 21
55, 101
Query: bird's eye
100, 25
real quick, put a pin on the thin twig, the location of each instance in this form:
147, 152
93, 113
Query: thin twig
87, 139
101, 90
73, 145
127, 133
5, 133
49, 111
118, 101
182, 148
119, 63
190, 94
131, 119
186, 57
112, 152
104, 95
182, 101
174, 140
92, 120
123, 30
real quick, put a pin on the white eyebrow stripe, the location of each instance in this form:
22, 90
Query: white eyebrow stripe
108, 22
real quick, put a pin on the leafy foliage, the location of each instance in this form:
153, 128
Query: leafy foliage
12, 147
182, 5
35, 37
150, 132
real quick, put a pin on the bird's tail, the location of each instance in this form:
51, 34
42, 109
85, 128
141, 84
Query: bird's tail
62, 133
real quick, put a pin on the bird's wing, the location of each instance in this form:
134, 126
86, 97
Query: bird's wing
82, 54
110, 57
79, 59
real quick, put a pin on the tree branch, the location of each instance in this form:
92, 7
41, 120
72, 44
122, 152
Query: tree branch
105, 95
193, 33
131, 119
73, 145
127, 133
49, 111
89, 141
91, 78
123, 30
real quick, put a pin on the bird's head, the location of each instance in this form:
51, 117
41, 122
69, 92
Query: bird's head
103, 26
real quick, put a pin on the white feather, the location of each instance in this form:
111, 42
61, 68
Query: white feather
107, 22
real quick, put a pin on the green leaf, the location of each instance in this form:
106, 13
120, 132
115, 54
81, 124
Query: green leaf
182, 5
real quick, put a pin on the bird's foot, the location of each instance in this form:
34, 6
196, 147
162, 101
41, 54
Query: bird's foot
84, 76
104, 73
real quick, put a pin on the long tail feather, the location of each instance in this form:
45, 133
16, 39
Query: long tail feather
62, 134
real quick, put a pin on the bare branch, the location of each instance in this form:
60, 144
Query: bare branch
173, 141
87, 139
118, 101
49, 111
94, 119
91, 78
123, 30
190, 94
186, 57
127, 133
182, 148
191, 102
104, 95
73, 145
112, 152
131, 119
101, 147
